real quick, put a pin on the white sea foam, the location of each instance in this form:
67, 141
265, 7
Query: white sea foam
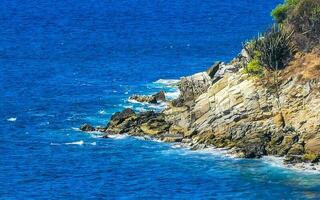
159, 106
75, 143
167, 81
128, 106
96, 134
142, 137
299, 167
137, 102
102, 112
12, 119
54, 144
75, 129
141, 109
93, 143
173, 95
118, 137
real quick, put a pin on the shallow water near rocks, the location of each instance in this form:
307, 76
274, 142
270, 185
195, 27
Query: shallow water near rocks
65, 63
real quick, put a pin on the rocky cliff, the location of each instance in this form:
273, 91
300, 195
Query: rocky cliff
225, 108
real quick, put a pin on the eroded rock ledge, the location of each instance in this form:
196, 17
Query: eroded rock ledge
225, 108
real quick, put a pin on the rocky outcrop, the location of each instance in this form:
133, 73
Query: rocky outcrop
87, 128
154, 99
225, 108
129, 122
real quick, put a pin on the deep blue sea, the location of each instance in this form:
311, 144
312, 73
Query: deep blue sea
67, 62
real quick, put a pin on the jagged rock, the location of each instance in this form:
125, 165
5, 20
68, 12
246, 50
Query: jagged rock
160, 96
155, 98
87, 128
119, 117
213, 69
146, 123
191, 87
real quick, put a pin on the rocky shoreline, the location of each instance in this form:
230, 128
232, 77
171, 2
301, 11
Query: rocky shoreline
225, 108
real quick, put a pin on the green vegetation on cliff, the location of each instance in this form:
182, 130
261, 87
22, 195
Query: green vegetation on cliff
280, 13
272, 50
303, 18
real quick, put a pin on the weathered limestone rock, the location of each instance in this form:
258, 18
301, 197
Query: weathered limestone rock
191, 87
313, 146
225, 108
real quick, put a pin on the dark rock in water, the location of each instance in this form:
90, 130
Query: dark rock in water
160, 96
154, 99
146, 123
213, 69
119, 117
253, 145
87, 128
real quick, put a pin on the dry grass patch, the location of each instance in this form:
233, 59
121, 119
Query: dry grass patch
305, 67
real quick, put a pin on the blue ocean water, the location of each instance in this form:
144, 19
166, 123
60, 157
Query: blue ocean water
67, 62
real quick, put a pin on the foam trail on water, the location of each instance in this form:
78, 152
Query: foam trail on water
12, 119
75, 143
75, 129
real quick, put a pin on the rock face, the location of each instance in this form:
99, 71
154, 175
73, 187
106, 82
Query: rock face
191, 87
154, 99
226, 108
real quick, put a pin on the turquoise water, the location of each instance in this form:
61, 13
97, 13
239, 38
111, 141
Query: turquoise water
64, 63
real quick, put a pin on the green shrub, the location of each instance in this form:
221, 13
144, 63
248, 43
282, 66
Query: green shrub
280, 13
254, 66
